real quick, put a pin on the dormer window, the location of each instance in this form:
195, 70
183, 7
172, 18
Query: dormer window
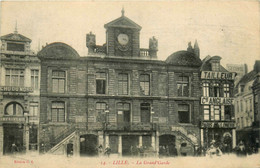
15, 47
215, 66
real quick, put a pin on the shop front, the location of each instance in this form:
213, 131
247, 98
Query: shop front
221, 134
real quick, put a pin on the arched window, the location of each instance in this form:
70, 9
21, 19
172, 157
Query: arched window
13, 108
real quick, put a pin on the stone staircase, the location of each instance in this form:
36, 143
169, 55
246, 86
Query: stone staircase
64, 136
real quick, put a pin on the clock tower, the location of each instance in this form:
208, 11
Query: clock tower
122, 37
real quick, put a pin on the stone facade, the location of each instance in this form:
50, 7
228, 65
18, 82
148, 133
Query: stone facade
119, 96
19, 94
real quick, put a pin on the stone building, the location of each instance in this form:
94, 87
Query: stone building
217, 123
19, 95
119, 96
246, 99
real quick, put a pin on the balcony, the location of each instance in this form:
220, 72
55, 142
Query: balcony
127, 126
144, 52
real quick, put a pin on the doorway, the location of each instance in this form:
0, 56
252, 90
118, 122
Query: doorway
88, 145
167, 145
13, 139
129, 144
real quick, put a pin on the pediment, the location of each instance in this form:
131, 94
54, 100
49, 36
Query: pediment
123, 22
15, 37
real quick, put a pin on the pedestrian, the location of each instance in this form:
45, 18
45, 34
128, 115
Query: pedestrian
241, 150
100, 150
14, 148
107, 151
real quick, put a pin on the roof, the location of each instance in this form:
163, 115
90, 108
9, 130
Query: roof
15, 37
58, 50
252, 74
185, 58
123, 22
206, 66
248, 77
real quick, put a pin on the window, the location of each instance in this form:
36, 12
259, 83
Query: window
242, 122
123, 84
184, 114
58, 81
58, 112
145, 84
14, 108
206, 89
250, 104
242, 88
241, 106
226, 90
15, 47
100, 83
227, 113
206, 112
14, 77
123, 112
215, 90
238, 123
100, 109
215, 66
33, 109
183, 86
145, 112
217, 113
237, 106
34, 79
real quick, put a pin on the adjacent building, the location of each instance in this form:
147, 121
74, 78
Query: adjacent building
245, 106
217, 120
19, 95
240, 69
119, 96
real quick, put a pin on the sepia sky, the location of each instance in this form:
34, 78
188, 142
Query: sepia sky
229, 29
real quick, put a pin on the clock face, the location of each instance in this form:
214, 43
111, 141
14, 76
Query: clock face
123, 39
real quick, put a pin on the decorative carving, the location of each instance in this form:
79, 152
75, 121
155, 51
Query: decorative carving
91, 40
153, 43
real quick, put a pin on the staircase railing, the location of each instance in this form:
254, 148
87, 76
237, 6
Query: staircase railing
63, 134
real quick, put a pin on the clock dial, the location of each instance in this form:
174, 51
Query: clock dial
123, 39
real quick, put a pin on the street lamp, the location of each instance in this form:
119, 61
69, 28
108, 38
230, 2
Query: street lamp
26, 114
106, 111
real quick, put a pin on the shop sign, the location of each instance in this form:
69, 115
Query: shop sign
12, 119
216, 100
218, 75
218, 125
15, 89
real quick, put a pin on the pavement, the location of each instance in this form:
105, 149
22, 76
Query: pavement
53, 161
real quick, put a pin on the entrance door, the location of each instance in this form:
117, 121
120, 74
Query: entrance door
129, 145
167, 145
13, 139
88, 145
